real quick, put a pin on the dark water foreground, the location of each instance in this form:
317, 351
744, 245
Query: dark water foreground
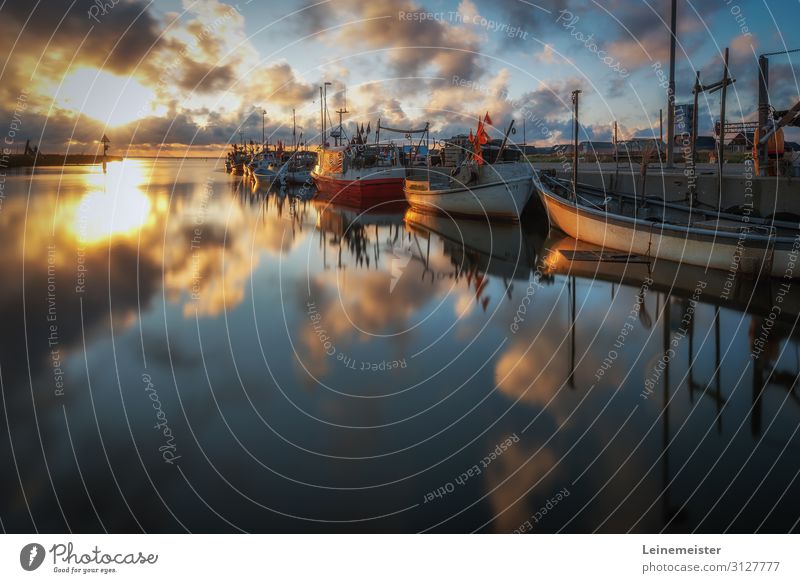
182, 352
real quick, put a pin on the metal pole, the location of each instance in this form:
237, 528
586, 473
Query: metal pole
763, 111
616, 158
661, 125
693, 153
325, 115
723, 95
575, 95
671, 89
322, 120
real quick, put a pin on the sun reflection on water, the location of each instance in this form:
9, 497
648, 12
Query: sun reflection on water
115, 204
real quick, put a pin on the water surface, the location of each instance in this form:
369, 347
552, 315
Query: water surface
182, 351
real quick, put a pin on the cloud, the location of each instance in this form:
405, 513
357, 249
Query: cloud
51, 31
414, 45
278, 84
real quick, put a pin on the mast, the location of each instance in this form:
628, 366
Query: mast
505, 142
720, 156
321, 120
763, 111
341, 111
671, 89
575, 95
693, 153
325, 109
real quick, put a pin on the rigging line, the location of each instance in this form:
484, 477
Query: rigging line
781, 53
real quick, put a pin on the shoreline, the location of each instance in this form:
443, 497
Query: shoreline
23, 161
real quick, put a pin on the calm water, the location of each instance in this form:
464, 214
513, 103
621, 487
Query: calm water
181, 351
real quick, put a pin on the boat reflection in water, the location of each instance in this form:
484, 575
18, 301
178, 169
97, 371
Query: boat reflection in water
324, 368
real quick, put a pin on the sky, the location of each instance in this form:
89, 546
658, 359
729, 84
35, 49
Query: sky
171, 77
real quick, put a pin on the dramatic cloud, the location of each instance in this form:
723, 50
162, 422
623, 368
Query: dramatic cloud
418, 42
202, 72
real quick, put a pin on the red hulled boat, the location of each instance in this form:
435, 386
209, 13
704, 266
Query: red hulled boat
360, 174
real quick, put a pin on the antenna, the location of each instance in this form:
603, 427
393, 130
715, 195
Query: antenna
341, 112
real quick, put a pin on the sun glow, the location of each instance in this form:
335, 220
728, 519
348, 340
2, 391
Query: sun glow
108, 98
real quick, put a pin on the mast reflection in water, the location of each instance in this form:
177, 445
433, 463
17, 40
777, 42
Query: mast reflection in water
240, 359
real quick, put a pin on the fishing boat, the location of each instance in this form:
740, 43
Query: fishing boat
360, 173
235, 160
263, 167
475, 188
353, 176
654, 228
498, 191
297, 168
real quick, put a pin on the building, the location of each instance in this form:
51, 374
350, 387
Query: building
741, 142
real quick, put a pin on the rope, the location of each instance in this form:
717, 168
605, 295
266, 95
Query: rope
781, 53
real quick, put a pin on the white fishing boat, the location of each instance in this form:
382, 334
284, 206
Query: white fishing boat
491, 190
265, 167
297, 169
475, 188
654, 228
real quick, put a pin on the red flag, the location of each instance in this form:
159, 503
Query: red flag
488, 119
480, 138
471, 137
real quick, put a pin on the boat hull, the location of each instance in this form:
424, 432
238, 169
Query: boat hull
707, 248
359, 193
265, 175
500, 200
298, 176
